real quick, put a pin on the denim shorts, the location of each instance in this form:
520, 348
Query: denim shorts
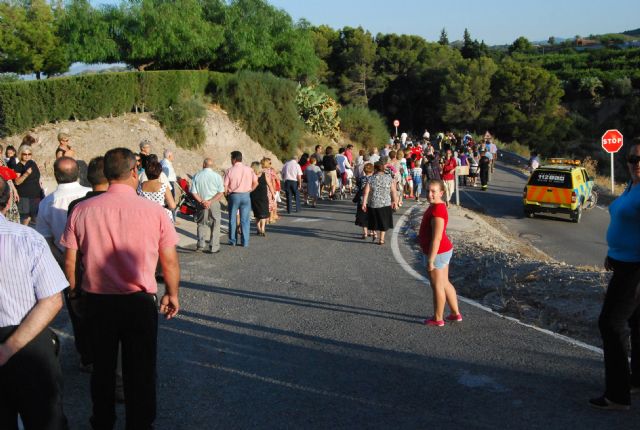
441, 260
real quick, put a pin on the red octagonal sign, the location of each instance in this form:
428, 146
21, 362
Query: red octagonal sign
612, 141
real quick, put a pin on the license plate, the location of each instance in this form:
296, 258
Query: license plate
548, 205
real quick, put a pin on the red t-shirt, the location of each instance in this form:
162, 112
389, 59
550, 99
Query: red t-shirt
448, 170
417, 151
438, 210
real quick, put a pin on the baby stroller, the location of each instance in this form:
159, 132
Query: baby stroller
187, 204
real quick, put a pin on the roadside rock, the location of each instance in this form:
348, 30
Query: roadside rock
515, 279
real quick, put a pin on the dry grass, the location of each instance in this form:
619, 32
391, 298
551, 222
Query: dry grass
515, 147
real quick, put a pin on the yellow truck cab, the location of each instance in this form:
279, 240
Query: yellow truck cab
562, 186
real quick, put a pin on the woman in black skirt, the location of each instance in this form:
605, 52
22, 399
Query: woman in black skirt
260, 200
362, 218
379, 200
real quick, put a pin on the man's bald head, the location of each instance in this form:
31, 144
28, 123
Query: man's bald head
65, 169
207, 163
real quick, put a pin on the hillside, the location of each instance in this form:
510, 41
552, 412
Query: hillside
634, 33
92, 138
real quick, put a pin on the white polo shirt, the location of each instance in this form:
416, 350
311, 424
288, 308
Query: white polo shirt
291, 170
52, 212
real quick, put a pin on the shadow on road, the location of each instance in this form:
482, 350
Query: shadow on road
294, 301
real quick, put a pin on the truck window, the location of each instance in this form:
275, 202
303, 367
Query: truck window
551, 179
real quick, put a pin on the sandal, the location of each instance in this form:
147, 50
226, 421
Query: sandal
380, 242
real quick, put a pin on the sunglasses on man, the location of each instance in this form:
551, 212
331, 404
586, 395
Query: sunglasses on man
633, 159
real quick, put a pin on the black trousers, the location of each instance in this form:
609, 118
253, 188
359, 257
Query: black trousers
291, 191
76, 308
620, 317
484, 177
132, 321
31, 385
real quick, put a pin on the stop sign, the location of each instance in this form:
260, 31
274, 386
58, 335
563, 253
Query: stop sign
612, 141
396, 123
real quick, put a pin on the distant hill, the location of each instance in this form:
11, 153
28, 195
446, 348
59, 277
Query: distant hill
635, 32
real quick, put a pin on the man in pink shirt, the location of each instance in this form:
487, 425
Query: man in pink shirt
120, 237
239, 181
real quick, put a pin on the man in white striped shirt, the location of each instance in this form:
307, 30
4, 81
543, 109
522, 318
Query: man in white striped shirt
30, 297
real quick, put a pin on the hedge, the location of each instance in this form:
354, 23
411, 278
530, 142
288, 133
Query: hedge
27, 104
262, 103
265, 105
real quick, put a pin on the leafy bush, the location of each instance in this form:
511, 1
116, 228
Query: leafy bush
318, 111
363, 126
24, 105
183, 121
265, 106
27, 104
158, 90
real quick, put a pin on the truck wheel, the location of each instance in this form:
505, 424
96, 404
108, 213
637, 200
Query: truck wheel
528, 213
576, 216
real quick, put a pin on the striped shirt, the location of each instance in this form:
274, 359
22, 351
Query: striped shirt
28, 272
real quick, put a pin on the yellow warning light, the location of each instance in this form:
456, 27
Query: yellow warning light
564, 161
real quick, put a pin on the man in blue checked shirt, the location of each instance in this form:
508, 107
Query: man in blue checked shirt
30, 297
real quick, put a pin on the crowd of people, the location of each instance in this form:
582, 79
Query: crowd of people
127, 215
103, 249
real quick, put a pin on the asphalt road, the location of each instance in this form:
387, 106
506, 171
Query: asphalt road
314, 328
577, 244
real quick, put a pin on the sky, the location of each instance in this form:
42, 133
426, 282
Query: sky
497, 22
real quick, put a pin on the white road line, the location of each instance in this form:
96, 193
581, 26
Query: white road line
403, 263
395, 249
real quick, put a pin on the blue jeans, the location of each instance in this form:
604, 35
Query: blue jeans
291, 191
417, 185
242, 202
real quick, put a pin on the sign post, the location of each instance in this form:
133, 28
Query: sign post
612, 142
396, 124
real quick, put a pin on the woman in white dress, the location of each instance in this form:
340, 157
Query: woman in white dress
155, 190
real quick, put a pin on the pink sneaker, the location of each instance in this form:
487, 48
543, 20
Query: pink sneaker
434, 323
454, 318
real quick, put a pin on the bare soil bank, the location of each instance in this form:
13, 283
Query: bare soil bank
92, 138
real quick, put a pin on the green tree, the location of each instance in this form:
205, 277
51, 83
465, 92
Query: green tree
259, 37
28, 41
165, 34
525, 105
324, 40
551, 41
471, 48
444, 38
521, 45
591, 86
356, 54
86, 33
466, 93
409, 73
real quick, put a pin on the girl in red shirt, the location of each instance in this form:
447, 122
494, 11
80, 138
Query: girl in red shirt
438, 249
